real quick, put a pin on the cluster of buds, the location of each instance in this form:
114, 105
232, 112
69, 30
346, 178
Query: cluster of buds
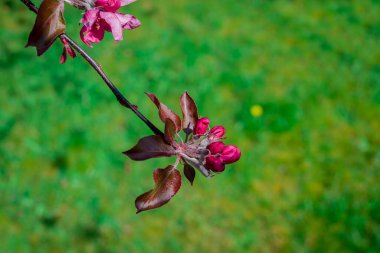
201, 149
218, 153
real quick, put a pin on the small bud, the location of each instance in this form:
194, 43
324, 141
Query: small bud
216, 148
216, 133
202, 126
230, 154
215, 164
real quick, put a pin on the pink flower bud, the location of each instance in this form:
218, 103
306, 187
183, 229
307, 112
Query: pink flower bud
216, 148
217, 132
230, 154
202, 126
215, 164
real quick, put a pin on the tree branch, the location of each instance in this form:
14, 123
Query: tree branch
122, 100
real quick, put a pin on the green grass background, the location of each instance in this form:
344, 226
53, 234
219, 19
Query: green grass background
308, 179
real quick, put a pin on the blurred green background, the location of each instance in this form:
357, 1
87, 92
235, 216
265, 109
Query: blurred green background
296, 84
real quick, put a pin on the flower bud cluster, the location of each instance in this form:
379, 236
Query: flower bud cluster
219, 154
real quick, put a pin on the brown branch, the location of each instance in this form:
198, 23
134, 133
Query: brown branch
122, 100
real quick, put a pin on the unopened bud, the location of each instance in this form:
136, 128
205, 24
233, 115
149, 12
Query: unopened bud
216, 148
215, 164
202, 126
230, 154
216, 133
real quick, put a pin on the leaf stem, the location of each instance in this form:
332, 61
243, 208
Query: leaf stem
122, 100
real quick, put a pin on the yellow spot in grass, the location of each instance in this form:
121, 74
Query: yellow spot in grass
256, 110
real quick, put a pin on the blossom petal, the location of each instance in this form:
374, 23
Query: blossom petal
108, 5
126, 2
89, 18
128, 21
92, 35
112, 20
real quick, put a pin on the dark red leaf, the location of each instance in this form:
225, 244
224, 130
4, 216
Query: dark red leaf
149, 147
167, 181
49, 24
190, 113
165, 113
189, 173
170, 131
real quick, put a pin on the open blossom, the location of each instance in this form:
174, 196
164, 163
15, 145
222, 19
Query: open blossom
102, 16
201, 149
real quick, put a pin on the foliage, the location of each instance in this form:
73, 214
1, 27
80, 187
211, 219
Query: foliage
309, 181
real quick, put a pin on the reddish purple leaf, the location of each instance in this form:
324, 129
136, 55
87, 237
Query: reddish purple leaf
149, 147
189, 173
190, 113
49, 24
170, 131
165, 113
167, 181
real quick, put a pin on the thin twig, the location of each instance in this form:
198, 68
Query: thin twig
122, 100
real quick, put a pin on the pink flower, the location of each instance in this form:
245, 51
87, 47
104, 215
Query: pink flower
201, 126
103, 17
221, 155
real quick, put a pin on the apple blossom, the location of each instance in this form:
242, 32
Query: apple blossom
101, 16
200, 149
